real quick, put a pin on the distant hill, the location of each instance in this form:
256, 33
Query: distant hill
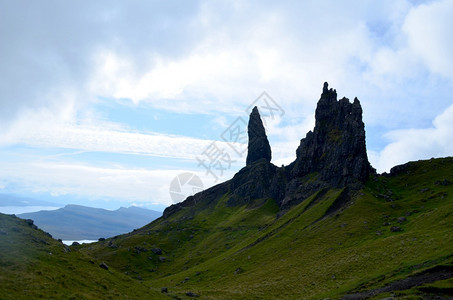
76, 222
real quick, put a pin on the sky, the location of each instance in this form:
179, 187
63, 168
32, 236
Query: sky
119, 103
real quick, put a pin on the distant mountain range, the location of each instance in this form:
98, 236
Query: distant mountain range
76, 222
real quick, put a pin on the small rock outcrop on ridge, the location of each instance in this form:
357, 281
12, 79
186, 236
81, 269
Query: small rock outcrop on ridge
258, 145
333, 155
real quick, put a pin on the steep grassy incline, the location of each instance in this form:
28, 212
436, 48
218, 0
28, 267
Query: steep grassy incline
399, 226
33, 265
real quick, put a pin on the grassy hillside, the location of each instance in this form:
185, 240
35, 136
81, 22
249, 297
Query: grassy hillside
33, 265
393, 237
222, 252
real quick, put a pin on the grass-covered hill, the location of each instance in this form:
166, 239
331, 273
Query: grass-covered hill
394, 237
33, 265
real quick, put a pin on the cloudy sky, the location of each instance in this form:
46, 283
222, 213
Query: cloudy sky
105, 103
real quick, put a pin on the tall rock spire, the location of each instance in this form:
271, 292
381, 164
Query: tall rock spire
333, 155
336, 147
258, 147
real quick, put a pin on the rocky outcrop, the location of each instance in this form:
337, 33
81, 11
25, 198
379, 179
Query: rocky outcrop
336, 148
253, 181
333, 155
258, 145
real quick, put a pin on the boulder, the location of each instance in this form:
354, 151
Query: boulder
191, 294
401, 219
157, 251
395, 229
104, 266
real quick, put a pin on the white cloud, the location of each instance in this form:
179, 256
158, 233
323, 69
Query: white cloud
133, 185
429, 28
92, 135
60, 58
415, 144
219, 55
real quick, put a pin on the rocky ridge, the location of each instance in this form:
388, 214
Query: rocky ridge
333, 155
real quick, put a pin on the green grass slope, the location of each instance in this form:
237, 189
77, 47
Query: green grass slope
221, 252
392, 238
33, 265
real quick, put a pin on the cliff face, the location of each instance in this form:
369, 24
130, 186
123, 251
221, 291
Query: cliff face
333, 155
336, 147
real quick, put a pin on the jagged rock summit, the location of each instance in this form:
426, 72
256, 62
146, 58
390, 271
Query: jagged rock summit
258, 145
336, 147
333, 155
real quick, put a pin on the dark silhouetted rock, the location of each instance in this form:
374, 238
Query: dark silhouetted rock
258, 146
112, 245
251, 182
395, 229
104, 266
157, 251
164, 290
444, 182
336, 148
75, 244
401, 219
191, 294
30, 223
139, 249
333, 155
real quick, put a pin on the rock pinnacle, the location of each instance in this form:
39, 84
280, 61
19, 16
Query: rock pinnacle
258, 147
